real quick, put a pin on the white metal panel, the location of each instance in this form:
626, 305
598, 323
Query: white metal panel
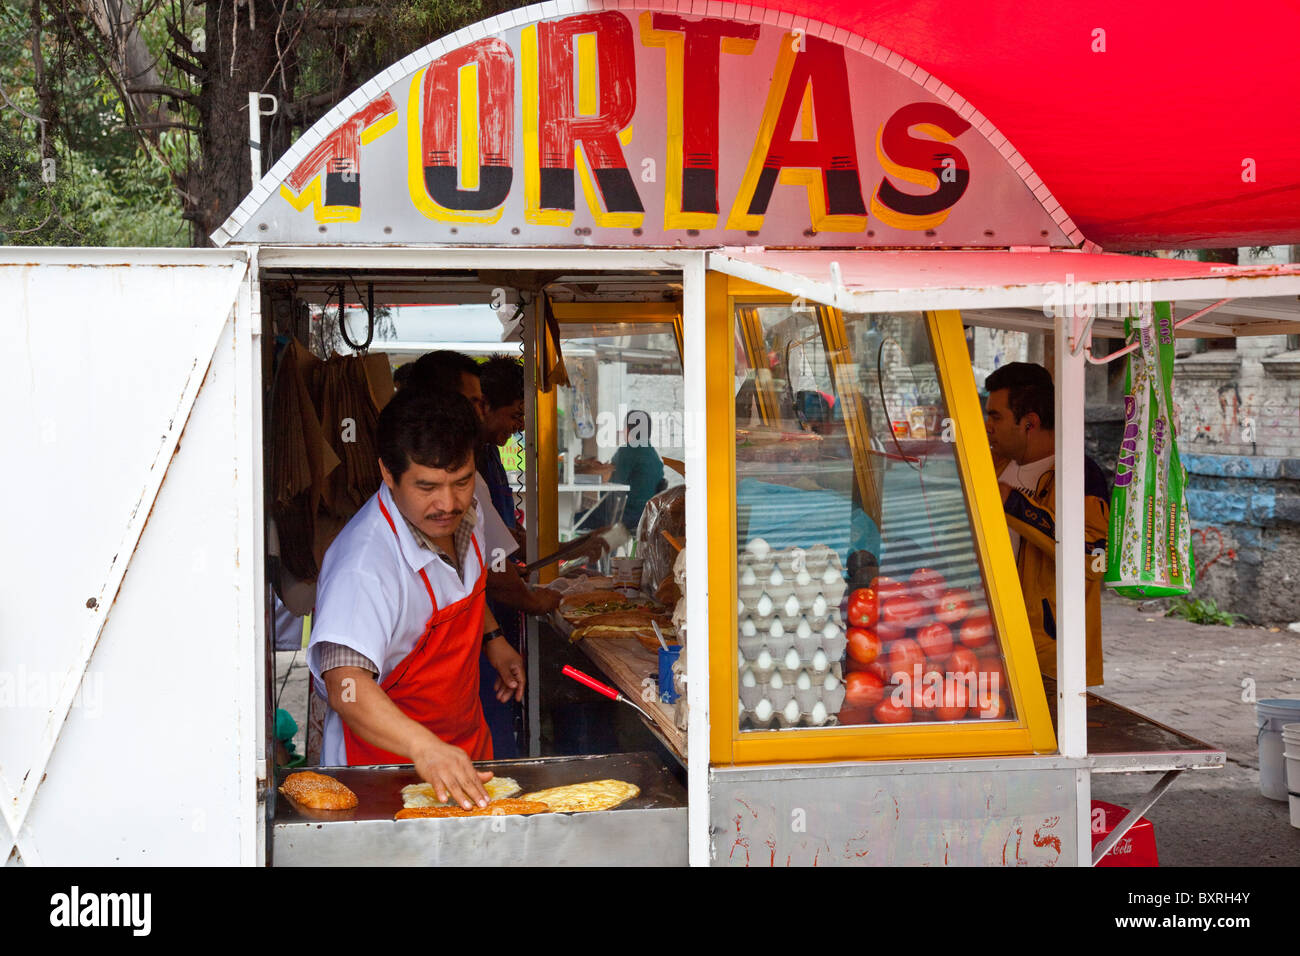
110, 348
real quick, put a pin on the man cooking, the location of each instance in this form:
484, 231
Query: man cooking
400, 614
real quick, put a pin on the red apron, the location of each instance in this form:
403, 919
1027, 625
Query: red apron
436, 684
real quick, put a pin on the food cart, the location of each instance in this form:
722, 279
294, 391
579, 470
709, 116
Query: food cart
705, 166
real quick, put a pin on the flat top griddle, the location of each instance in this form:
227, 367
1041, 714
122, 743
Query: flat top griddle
379, 789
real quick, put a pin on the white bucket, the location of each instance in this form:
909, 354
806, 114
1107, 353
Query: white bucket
1291, 753
1272, 714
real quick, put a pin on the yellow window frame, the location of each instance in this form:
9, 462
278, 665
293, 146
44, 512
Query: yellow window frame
1029, 732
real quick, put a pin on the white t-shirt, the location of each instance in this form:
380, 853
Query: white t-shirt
496, 533
370, 597
1024, 479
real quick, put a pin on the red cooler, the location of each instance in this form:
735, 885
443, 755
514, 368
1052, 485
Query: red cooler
1136, 848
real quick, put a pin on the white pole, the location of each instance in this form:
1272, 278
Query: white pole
255, 136
1071, 603
694, 395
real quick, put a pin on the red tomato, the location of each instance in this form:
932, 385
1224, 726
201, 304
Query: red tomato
863, 690
976, 629
889, 712
997, 707
905, 656
928, 583
880, 668
854, 715
889, 631
887, 588
864, 609
955, 700
953, 605
864, 645
902, 612
962, 660
935, 640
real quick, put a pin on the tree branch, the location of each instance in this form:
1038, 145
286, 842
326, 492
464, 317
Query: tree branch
188, 127
186, 66
168, 92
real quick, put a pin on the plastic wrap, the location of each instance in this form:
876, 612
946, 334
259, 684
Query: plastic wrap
665, 512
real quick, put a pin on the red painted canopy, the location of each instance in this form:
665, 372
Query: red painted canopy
1169, 125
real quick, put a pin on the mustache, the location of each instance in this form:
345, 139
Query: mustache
443, 517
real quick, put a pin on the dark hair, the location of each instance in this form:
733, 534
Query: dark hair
503, 380
433, 429
441, 371
641, 422
1029, 389
402, 376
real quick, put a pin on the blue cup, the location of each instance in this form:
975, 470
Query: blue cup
667, 694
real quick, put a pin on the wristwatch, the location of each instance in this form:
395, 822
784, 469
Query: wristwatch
492, 635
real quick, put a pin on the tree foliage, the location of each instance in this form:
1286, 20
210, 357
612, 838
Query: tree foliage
143, 106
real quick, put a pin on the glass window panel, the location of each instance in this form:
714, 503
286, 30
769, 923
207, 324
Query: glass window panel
861, 600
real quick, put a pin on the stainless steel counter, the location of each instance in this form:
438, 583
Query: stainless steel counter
648, 830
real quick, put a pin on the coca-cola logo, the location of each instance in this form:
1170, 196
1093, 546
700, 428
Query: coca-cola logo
1123, 846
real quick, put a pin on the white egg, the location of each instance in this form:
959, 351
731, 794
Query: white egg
791, 606
831, 631
831, 682
819, 606
747, 679
764, 607
777, 630
803, 579
803, 681
748, 578
740, 661
740, 712
804, 629
740, 607
791, 711
831, 576
758, 548
747, 628
764, 661
777, 682
763, 710
819, 661
819, 713
791, 659
776, 578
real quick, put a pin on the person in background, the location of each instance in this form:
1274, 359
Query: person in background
637, 465
1020, 419
507, 591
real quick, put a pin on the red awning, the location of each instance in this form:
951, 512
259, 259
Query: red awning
1178, 126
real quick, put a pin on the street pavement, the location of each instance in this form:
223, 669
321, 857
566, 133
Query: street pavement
1202, 680
1199, 679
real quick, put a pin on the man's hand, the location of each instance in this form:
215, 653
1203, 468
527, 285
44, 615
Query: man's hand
544, 600
452, 773
509, 667
596, 545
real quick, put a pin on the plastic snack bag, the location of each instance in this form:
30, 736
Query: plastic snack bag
1149, 553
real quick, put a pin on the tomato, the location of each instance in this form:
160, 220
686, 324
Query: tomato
864, 609
906, 657
976, 630
887, 588
890, 712
863, 690
889, 631
953, 605
997, 707
935, 640
903, 612
854, 715
880, 668
927, 583
955, 700
864, 645
962, 661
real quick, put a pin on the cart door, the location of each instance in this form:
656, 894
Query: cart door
130, 704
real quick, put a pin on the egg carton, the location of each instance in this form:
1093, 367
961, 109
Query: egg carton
767, 718
807, 695
806, 641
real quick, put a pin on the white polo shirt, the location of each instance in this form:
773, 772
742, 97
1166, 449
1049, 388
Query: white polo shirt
495, 531
370, 597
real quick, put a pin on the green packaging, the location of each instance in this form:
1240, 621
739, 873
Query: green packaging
1149, 552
